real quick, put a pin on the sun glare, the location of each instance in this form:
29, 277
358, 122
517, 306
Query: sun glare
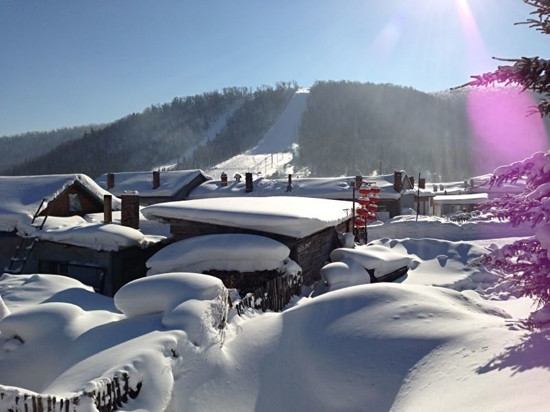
463, 5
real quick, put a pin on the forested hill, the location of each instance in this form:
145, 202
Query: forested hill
167, 134
347, 128
21, 148
354, 128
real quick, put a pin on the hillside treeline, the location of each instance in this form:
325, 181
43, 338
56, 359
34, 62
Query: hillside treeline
244, 128
161, 134
23, 147
352, 128
348, 128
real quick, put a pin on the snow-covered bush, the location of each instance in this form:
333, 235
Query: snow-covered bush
525, 264
195, 303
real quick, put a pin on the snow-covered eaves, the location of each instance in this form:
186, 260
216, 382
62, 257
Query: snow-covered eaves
337, 188
171, 182
22, 195
288, 216
464, 199
76, 231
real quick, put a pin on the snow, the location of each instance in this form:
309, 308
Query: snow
466, 199
378, 258
447, 336
273, 152
443, 338
289, 216
77, 231
338, 188
407, 226
232, 252
171, 182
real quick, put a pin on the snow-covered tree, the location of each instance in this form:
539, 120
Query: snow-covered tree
526, 262
532, 73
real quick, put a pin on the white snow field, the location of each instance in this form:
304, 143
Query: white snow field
443, 337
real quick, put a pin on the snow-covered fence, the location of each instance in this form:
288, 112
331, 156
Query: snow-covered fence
274, 295
108, 394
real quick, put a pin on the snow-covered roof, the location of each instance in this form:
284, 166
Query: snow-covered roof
288, 216
171, 182
22, 195
77, 231
477, 184
465, 199
242, 252
339, 188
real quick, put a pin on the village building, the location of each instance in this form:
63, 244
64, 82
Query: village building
156, 186
450, 205
104, 256
392, 189
309, 227
63, 224
28, 198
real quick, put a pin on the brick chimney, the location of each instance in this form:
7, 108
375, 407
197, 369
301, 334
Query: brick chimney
110, 180
107, 209
223, 179
397, 181
248, 182
422, 183
130, 209
156, 179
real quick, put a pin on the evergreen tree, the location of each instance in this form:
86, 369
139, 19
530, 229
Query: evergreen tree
532, 73
525, 264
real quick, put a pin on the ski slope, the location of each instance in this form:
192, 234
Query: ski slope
273, 153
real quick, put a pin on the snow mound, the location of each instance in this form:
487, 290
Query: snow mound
165, 291
194, 303
365, 342
240, 252
31, 324
344, 273
380, 259
21, 291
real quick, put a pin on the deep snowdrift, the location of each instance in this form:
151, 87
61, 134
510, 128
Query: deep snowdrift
442, 339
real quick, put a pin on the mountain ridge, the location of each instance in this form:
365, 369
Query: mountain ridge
337, 128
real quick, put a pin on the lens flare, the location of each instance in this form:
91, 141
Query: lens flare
503, 130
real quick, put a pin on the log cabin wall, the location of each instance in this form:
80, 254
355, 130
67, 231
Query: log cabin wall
311, 252
61, 205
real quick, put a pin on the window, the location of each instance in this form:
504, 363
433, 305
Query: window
74, 203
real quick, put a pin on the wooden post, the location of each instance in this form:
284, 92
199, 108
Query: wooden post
223, 179
249, 186
110, 180
156, 179
107, 209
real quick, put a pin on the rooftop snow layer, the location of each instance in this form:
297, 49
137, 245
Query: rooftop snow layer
77, 231
171, 182
289, 216
338, 188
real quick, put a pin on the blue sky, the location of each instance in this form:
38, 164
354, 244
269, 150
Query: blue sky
67, 63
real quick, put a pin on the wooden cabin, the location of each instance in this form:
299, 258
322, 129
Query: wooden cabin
24, 198
309, 227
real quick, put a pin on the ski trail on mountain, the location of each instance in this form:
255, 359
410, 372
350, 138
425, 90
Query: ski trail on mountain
273, 152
